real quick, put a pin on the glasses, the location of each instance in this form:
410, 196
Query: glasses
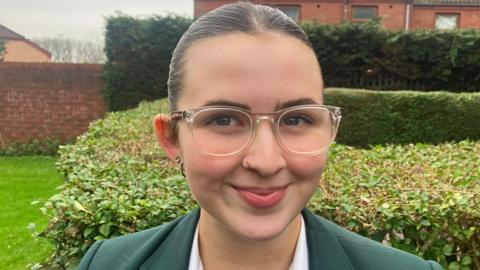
225, 131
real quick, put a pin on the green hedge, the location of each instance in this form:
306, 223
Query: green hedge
138, 57
420, 198
2, 47
351, 55
367, 56
402, 117
47, 147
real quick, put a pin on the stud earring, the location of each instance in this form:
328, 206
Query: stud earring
248, 163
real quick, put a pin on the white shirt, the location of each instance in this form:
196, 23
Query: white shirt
300, 259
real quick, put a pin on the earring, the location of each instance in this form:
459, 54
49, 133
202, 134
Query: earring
180, 164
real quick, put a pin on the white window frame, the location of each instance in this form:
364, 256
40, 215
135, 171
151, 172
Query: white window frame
283, 7
375, 8
442, 18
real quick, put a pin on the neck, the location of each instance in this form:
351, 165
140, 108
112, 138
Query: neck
221, 248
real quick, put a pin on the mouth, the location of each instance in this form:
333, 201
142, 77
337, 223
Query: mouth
261, 198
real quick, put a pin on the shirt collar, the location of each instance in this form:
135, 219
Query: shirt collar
300, 259
195, 260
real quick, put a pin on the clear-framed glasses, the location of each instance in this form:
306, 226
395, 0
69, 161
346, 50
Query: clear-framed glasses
225, 131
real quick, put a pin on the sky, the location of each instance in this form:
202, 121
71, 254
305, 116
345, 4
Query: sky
80, 19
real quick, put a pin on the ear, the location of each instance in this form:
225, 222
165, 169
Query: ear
163, 132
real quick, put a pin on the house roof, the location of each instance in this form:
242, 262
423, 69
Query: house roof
6, 33
448, 2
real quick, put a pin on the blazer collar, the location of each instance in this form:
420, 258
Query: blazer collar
174, 252
324, 250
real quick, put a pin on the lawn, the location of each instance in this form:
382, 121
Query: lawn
23, 180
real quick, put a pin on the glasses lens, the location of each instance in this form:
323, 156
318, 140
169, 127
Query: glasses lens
221, 131
306, 130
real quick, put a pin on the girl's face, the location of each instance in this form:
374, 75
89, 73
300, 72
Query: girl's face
258, 193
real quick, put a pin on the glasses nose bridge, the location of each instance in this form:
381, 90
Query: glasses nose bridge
270, 117
258, 118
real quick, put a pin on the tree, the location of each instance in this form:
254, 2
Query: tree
2, 49
70, 50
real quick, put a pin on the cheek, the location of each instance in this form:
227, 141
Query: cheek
308, 168
207, 177
204, 174
209, 168
198, 165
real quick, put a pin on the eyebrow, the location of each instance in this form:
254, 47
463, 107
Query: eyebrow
227, 103
278, 106
295, 102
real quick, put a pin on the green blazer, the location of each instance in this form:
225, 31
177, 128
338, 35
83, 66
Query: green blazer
167, 246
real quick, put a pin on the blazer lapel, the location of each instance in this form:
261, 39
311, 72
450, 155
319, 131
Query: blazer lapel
174, 252
324, 250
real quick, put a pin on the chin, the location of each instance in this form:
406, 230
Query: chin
262, 229
257, 235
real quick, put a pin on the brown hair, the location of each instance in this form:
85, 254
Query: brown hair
241, 17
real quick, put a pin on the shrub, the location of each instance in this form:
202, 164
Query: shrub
420, 198
368, 56
453, 64
351, 55
347, 50
32, 147
117, 181
2, 48
139, 53
402, 117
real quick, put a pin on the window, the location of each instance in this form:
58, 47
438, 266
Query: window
292, 11
446, 21
363, 13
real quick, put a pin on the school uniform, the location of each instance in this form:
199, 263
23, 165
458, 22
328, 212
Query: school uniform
169, 246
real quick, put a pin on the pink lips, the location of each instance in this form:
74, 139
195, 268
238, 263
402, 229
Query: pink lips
262, 197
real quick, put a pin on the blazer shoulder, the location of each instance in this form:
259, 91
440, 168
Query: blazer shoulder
365, 253
128, 251
88, 257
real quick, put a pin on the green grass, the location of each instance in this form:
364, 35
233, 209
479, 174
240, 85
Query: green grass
23, 180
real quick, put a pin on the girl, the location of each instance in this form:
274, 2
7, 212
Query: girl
250, 134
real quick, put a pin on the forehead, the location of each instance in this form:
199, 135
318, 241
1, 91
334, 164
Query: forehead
260, 71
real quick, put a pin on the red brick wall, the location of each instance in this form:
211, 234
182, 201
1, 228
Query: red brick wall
46, 100
310, 10
393, 15
423, 17
202, 7
326, 11
392, 11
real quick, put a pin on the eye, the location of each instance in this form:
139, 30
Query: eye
296, 120
223, 120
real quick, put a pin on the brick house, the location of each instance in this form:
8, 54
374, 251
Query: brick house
20, 49
396, 14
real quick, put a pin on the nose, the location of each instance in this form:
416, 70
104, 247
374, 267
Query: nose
264, 155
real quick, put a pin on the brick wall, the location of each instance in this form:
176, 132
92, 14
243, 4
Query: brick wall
46, 100
202, 7
326, 11
393, 12
23, 51
423, 17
